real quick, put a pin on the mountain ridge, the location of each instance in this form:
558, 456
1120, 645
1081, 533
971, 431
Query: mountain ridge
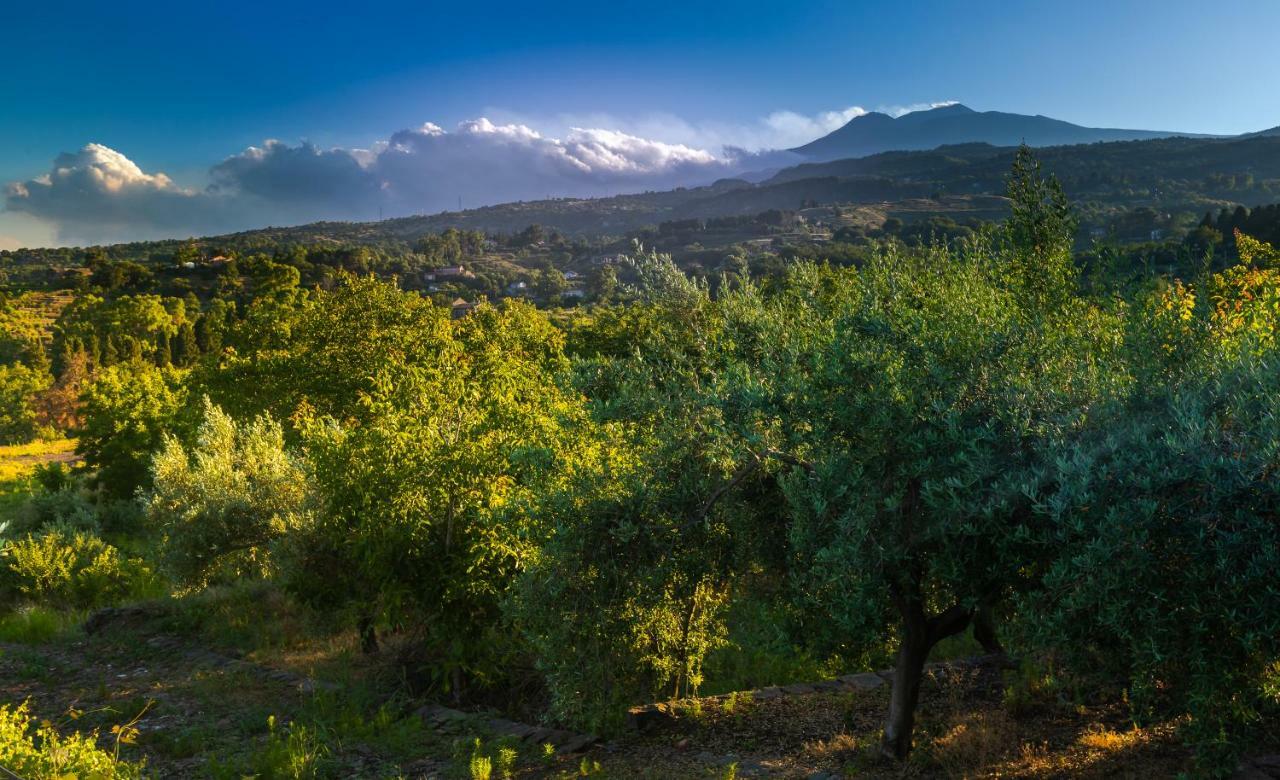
956, 123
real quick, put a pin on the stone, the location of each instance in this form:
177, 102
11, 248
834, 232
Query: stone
648, 717
796, 689
579, 743
865, 681
772, 692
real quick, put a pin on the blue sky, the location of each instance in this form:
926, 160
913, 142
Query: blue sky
178, 87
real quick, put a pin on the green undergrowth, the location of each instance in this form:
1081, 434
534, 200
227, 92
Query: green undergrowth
246, 616
37, 625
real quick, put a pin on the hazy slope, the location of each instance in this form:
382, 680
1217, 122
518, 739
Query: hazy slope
956, 124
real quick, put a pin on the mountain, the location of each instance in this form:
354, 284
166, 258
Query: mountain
1272, 133
957, 124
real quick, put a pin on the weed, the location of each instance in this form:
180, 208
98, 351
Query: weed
1029, 689
293, 752
28, 749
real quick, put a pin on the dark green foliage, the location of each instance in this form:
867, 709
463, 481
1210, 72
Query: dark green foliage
1165, 551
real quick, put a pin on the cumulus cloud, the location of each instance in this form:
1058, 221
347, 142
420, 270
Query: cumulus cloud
291, 183
98, 194
428, 169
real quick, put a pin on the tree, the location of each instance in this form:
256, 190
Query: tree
186, 349
1160, 535
602, 283
551, 285
1041, 228
19, 387
423, 504
627, 597
319, 351
918, 399
126, 410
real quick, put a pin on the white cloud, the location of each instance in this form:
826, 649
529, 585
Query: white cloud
781, 129
9, 242
897, 111
98, 194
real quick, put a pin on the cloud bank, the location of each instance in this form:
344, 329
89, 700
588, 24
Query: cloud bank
98, 195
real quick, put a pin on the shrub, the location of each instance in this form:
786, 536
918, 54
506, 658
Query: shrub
66, 508
220, 506
39, 752
69, 569
53, 477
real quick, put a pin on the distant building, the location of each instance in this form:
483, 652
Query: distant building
517, 288
461, 308
571, 275
609, 259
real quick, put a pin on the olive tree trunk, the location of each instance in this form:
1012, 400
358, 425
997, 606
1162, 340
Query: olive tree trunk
919, 634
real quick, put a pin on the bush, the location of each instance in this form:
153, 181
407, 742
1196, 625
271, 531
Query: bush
69, 569
39, 752
67, 508
53, 477
220, 506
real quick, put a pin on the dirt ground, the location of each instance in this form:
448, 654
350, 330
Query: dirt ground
203, 712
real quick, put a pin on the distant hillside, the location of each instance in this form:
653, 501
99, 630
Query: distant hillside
956, 124
1170, 175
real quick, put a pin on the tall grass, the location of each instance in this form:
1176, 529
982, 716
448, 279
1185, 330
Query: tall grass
34, 625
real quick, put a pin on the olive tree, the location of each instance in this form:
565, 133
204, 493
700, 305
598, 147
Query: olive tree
919, 402
221, 504
1161, 515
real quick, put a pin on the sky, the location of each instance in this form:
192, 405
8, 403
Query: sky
142, 120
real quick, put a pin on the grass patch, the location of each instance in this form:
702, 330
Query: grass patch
247, 616
19, 460
34, 625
